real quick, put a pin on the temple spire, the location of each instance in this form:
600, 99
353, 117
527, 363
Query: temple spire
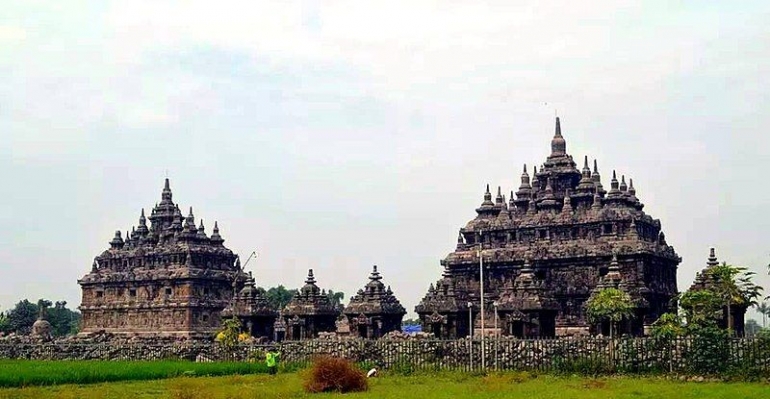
215, 237
558, 144
487, 206
597, 179
375, 276
310, 278
712, 260
166, 193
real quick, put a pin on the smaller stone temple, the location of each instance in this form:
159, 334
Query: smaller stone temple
309, 312
374, 311
253, 310
441, 309
704, 281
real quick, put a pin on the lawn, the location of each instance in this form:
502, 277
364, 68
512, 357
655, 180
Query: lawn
20, 373
449, 385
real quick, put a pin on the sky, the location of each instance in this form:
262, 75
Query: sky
342, 134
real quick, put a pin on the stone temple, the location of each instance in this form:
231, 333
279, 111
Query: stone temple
704, 281
374, 311
309, 313
169, 278
546, 251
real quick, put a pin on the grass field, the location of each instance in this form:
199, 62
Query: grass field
450, 385
20, 373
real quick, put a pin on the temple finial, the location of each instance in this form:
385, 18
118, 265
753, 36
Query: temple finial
165, 195
712, 260
558, 144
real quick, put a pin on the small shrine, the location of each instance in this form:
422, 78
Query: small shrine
309, 312
374, 311
253, 310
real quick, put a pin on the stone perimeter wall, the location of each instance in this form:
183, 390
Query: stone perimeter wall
630, 355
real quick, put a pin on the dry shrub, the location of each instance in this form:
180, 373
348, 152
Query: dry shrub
334, 374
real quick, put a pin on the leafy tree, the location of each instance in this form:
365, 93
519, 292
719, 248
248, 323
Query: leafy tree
733, 285
668, 326
764, 310
63, 321
278, 296
336, 298
228, 334
4, 324
701, 308
20, 319
22, 316
610, 304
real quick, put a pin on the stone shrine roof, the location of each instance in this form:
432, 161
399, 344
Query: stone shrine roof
374, 298
310, 300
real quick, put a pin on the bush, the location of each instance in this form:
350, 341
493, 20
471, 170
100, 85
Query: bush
334, 374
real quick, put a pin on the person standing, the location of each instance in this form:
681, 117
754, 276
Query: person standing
271, 359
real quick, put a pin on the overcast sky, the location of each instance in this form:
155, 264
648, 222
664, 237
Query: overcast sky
338, 135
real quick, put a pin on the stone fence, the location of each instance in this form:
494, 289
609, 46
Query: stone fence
633, 355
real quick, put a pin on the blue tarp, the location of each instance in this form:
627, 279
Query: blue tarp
412, 329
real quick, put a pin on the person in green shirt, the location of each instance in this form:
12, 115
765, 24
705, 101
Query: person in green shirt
271, 359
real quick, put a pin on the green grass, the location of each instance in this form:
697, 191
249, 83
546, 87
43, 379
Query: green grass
424, 386
20, 373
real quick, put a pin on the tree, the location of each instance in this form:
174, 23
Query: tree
4, 324
228, 335
279, 296
610, 304
22, 316
336, 298
764, 310
734, 286
63, 320
701, 308
668, 326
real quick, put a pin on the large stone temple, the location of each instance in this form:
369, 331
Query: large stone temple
546, 251
168, 278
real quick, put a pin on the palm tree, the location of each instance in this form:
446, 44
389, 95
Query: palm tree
764, 310
734, 286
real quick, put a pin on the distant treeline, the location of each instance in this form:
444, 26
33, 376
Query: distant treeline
20, 318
